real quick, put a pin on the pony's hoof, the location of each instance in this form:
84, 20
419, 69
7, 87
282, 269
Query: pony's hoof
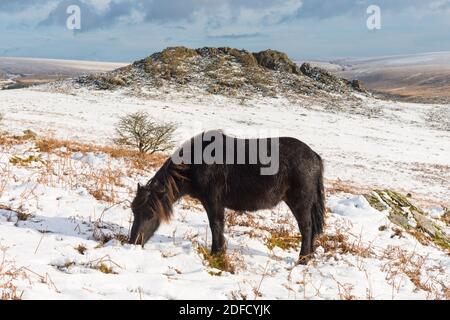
303, 260
219, 251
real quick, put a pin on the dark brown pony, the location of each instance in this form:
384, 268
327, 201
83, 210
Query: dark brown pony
298, 182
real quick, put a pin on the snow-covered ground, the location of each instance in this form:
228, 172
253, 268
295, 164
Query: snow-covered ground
62, 249
421, 59
399, 147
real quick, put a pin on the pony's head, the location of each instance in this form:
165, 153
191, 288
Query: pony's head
146, 218
153, 203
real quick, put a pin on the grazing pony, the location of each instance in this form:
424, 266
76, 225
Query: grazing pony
235, 184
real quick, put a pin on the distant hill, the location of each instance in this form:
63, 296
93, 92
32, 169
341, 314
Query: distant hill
18, 72
223, 71
414, 78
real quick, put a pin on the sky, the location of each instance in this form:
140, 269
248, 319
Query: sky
127, 30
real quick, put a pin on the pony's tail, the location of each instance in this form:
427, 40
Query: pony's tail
318, 208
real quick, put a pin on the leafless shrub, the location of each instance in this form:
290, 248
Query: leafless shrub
139, 130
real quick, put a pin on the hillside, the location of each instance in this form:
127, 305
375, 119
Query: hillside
22, 72
224, 71
65, 218
423, 78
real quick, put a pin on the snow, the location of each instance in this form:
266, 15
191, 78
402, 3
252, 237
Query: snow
420, 59
365, 257
49, 66
397, 149
92, 159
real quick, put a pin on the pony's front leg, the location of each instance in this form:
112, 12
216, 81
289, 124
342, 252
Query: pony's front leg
216, 223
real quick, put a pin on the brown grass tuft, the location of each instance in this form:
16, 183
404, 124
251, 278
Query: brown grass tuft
49, 145
429, 278
103, 268
81, 249
8, 274
339, 243
283, 239
219, 261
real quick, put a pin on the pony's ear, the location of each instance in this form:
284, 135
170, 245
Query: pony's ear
139, 187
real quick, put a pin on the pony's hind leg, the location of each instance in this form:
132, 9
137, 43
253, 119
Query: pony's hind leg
216, 222
302, 213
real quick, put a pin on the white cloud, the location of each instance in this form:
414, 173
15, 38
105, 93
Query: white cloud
100, 5
29, 15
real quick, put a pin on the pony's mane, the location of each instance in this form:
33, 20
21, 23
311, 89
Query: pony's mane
164, 189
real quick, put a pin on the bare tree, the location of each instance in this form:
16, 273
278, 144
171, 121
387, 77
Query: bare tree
139, 130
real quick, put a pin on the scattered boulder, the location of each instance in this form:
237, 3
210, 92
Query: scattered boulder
308, 70
358, 86
241, 56
102, 81
276, 60
16, 85
330, 81
409, 217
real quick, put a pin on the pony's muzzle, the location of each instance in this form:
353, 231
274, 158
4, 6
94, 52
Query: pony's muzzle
138, 239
